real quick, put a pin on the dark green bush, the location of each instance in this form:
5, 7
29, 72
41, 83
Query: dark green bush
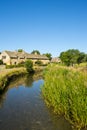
29, 66
1, 62
10, 66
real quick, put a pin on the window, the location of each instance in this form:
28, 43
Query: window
3, 57
13, 57
22, 57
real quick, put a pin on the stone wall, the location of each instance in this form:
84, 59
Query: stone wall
5, 58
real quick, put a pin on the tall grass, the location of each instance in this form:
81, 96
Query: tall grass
65, 90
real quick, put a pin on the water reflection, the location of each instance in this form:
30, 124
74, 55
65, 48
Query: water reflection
2, 98
22, 107
25, 80
29, 81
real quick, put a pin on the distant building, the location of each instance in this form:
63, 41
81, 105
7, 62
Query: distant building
15, 57
55, 60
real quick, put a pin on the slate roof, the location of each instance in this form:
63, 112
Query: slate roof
11, 54
15, 54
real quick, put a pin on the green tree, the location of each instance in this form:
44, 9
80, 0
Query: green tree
64, 58
70, 57
35, 52
81, 58
48, 55
85, 58
29, 66
20, 50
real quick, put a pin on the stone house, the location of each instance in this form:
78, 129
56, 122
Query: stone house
56, 60
15, 57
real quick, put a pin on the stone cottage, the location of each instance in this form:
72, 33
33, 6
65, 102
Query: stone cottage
56, 60
15, 57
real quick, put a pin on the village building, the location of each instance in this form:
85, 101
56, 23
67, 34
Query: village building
56, 60
15, 57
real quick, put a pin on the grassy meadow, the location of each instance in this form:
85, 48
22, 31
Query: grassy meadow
65, 90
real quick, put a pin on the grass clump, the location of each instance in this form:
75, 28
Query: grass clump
65, 90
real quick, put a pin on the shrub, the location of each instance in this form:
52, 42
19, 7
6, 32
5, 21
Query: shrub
29, 66
10, 66
21, 64
1, 62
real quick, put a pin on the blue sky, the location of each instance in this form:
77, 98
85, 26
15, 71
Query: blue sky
49, 26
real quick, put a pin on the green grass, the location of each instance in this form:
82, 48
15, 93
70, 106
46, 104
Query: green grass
7, 75
65, 90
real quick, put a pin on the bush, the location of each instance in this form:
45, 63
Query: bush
10, 66
1, 62
29, 66
21, 64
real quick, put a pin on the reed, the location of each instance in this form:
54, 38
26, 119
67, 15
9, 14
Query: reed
65, 90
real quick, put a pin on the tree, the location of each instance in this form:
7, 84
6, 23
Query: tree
64, 58
70, 57
85, 58
29, 66
20, 50
81, 58
48, 55
35, 52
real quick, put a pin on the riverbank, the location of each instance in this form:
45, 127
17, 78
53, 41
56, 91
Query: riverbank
22, 108
8, 74
65, 90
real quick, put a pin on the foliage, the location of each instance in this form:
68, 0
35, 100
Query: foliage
81, 58
20, 50
48, 55
35, 52
85, 58
72, 56
29, 66
6, 76
1, 62
65, 91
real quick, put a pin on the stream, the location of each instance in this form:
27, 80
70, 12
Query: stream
23, 108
